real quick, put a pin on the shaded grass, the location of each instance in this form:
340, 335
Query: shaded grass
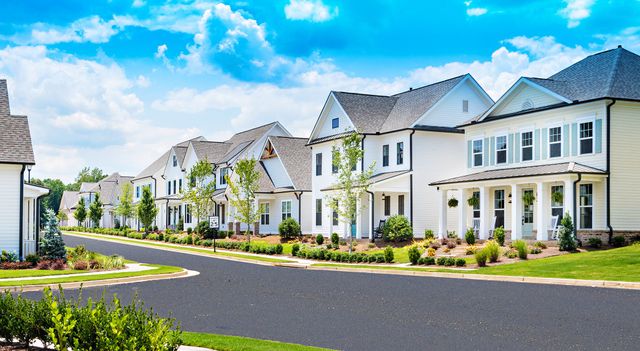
239, 343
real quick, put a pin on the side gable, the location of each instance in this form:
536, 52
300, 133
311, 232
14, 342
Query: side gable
525, 94
274, 167
323, 127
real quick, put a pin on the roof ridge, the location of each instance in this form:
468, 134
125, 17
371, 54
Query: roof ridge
288, 137
428, 85
363, 94
254, 128
614, 71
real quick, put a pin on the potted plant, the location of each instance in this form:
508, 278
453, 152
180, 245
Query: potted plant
473, 201
557, 197
453, 202
528, 198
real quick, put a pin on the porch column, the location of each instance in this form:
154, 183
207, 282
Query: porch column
541, 221
371, 220
569, 195
462, 213
442, 223
358, 221
484, 207
516, 221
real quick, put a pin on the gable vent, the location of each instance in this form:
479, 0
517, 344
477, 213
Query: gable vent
527, 105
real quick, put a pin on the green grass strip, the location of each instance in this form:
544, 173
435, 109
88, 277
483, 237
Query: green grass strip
390, 268
180, 248
27, 273
239, 343
158, 269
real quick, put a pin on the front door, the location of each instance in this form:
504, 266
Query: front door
527, 214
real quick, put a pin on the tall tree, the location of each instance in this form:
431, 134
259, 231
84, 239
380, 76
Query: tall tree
51, 244
200, 189
52, 200
80, 214
147, 209
125, 206
95, 211
350, 183
87, 175
243, 188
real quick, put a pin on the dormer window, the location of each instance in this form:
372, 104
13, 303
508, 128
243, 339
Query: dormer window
465, 105
335, 123
175, 161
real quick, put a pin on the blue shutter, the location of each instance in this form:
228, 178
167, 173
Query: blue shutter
565, 140
544, 142
536, 144
574, 139
510, 149
598, 136
485, 146
469, 154
492, 150
516, 149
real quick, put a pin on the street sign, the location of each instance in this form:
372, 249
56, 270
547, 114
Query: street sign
214, 222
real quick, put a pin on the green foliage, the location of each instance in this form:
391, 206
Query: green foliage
319, 239
80, 214
521, 247
594, 242
180, 226
470, 236
125, 207
388, 254
414, 254
8, 256
481, 257
87, 175
95, 211
452, 202
199, 190
528, 198
294, 249
618, 241
52, 200
397, 229
289, 229
51, 244
428, 234
335, 240
473, 201
492, 248
147, 210
243, 190
461, 262
566, 234
499, 236
540, 244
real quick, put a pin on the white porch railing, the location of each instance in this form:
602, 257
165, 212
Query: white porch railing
29, 247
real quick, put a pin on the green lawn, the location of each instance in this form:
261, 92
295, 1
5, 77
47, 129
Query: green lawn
238, 343
25, 273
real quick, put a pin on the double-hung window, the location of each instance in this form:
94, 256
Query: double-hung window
179, 185
187, 213
335, 123
334, 161
498, 207
286, 209
318, 212
138, 192
401, 205
319, 164
334, 215
586, 138
527, 146
586, 206
476, 207
174, 186
477, 152
400, 153
555, 142
264, 213
385, 155
501, 149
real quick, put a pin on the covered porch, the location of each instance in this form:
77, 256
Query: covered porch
528, 202
30, 233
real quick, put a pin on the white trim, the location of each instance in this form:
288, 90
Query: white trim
533, 145
320, 118
473, 154
580, 206
580, 121
562, 136
290, 208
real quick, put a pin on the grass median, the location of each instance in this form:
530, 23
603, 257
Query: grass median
239, 343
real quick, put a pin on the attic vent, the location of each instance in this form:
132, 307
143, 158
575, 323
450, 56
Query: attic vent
465, 105
527, 105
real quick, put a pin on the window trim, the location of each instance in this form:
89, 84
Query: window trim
473, 154
401, 204
533, 145
282, 212
265, 216
562, 136
335, 218
334, 167
386, 203
318, 165
385, 147
580, 121
506, 150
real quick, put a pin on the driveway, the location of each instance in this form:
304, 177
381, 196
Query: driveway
359, 311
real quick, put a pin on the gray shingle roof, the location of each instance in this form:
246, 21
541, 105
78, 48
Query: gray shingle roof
376, 178
87, 187
15, 137
242, 140
110, 188
69, 199
518, 172
265, 183
296, 158
181, 152
154, 166
213, 151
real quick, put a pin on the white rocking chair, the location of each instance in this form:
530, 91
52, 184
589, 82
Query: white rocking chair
493, 227
476, 227
553, 227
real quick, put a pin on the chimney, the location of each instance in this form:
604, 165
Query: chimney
410, 88
4, 98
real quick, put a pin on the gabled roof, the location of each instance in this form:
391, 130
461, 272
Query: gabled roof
87, 187
296, 159
69, 199
109, 188
213, 151
181, 152
15, 137
4, 99
161, 162
240, 141
367, 112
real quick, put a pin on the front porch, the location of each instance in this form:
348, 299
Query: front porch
31, 203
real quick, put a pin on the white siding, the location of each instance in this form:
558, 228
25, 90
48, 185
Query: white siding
521, 94
373, 151
448, 112
9, 207
277, 172
331, 111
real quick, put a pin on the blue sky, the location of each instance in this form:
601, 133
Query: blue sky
113, 84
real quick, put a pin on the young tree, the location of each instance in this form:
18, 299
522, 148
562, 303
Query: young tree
147, 210
80, 214
125, 207
243, 193
61, 216
351, 184
566, 234
51, 244
199, 190
95, 211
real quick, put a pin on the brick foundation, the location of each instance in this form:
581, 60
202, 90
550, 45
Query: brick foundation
585, 235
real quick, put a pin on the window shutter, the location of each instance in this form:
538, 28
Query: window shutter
510, 148
486, 151
492, 150
565, 140
544, 142
469, 154
598, 136
574, 139
536, 144
516, 149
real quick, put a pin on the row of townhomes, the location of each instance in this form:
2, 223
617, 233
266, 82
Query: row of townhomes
19, 200
547, 147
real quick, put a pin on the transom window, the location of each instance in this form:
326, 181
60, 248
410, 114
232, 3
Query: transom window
286, 209
501, 149
335, 123
555, 142
400, 153
477, 153
385, 155
527, 146
586, 206
586, 138
264, 213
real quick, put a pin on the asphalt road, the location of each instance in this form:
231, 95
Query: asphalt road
359, 311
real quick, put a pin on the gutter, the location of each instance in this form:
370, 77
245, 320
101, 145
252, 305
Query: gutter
299, 197
575, 204
609, 170
362, 148
21, 217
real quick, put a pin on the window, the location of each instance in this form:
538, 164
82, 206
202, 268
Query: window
187, 213
179, 185
387, 205
527, 146
174, 186
501, 149
286, 209
264, 213
385, 155
401, 205
169, 188
223, 175
465, 105
222, 214
318, 164
555, 142
586, 206
498, 207
334, 215
477, 153
318, 212
334, 161
335, 123
586, 138
557, 207
476, 208
400, 153
175, 161
138, 191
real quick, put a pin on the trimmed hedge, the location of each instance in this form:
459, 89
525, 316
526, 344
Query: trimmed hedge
338, 256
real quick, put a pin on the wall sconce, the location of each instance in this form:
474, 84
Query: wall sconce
509, 197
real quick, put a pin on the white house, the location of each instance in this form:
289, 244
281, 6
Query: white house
563, 144
410, 138
109, 189
19, 201
68, 204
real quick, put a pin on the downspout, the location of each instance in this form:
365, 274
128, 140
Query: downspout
299, 197
373, 206
362, 148
609, 170
21, 217
411, 176
575, 204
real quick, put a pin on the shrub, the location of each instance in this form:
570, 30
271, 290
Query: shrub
33, 259
511, 253
429, 261
461, 262
289, 229
431, 252
521, 247
450, 261
8, 256
16, 265
566, 234
388, 254
594, 242
58, 265
414, 254
428, 234
319, 239
481, 258
189, 230
540, 244
279, 249
492, 249
81, 265
51, 244
471, 249
152, 236
498, 234
435, 245
294, 249
535, 250
618, 241
397, 229
470, 236
441, 261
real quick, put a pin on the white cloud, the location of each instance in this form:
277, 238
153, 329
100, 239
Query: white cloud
309, 10
575, 11
476, 11
629, 38
91, 29
138, 3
